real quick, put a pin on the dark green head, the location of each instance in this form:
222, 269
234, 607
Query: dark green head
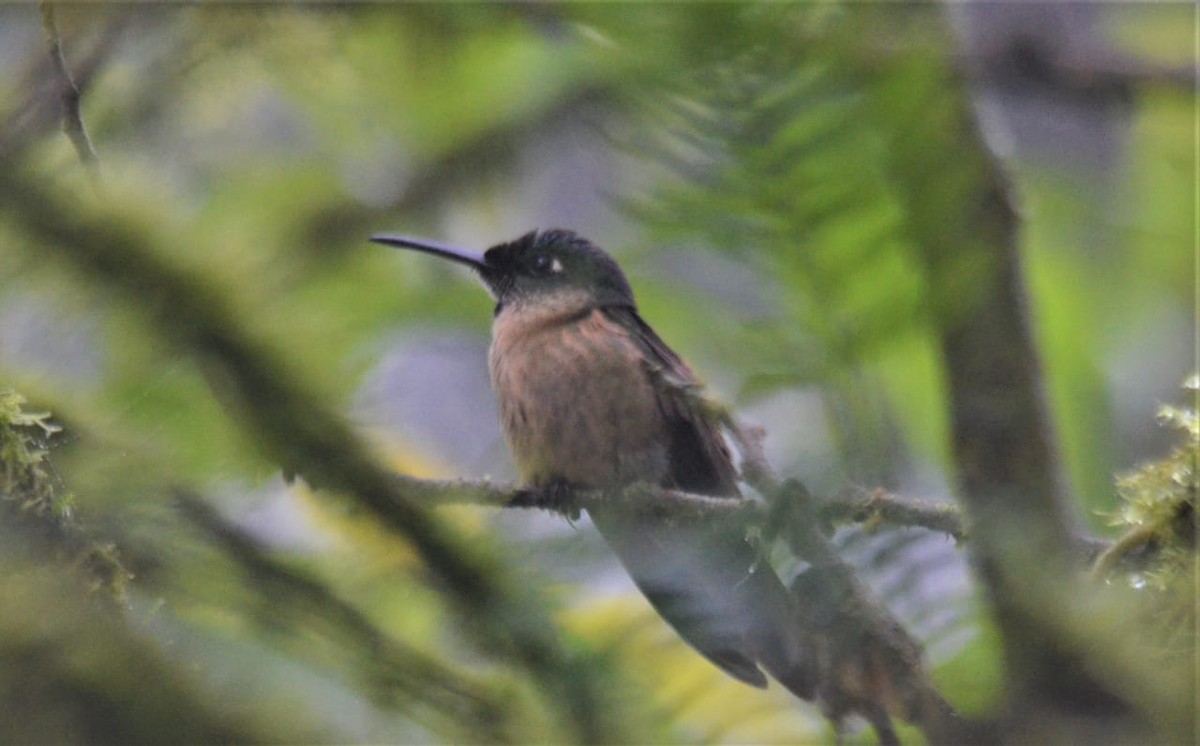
538, 266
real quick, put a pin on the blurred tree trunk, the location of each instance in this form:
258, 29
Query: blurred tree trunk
964, 225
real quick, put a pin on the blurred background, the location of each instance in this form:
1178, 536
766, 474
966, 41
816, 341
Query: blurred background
737, 160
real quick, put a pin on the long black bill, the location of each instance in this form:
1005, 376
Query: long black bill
454, 254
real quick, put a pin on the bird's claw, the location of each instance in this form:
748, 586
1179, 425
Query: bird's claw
557, 497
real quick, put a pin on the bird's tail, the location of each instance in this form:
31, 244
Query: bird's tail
710, 586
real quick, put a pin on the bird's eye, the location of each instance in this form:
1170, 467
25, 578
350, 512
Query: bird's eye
544, 264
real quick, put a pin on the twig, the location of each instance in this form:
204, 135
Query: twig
1023, 62
852, 504
641, 497
72, 123
756, 470
862, 505
870, 664
1137, 538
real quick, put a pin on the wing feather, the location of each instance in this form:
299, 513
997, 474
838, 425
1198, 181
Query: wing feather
705, 580
699, 460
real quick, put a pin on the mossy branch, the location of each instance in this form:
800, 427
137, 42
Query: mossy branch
35, 504
304, 436
872, 508
875, 507
430, 690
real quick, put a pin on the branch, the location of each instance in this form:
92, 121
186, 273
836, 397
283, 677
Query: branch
869, 664
74, 671
1023, 61
853, 504
404, 675
872, 507
69, 94
40, 509
1024, 525
295, 428
1134, 541
642, 497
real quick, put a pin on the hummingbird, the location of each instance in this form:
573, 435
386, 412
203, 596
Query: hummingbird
590, 397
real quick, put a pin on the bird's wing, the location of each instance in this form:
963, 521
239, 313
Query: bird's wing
699, 459
705, 580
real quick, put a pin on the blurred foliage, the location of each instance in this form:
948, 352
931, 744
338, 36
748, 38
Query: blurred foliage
783, 171
73, 672
35, 505
682, 687
786, 167
27, 484
1160, 493
1156, 553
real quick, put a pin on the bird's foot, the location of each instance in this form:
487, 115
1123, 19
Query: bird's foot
556, 496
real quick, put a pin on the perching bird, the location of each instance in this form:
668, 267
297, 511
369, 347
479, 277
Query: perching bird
591, 397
